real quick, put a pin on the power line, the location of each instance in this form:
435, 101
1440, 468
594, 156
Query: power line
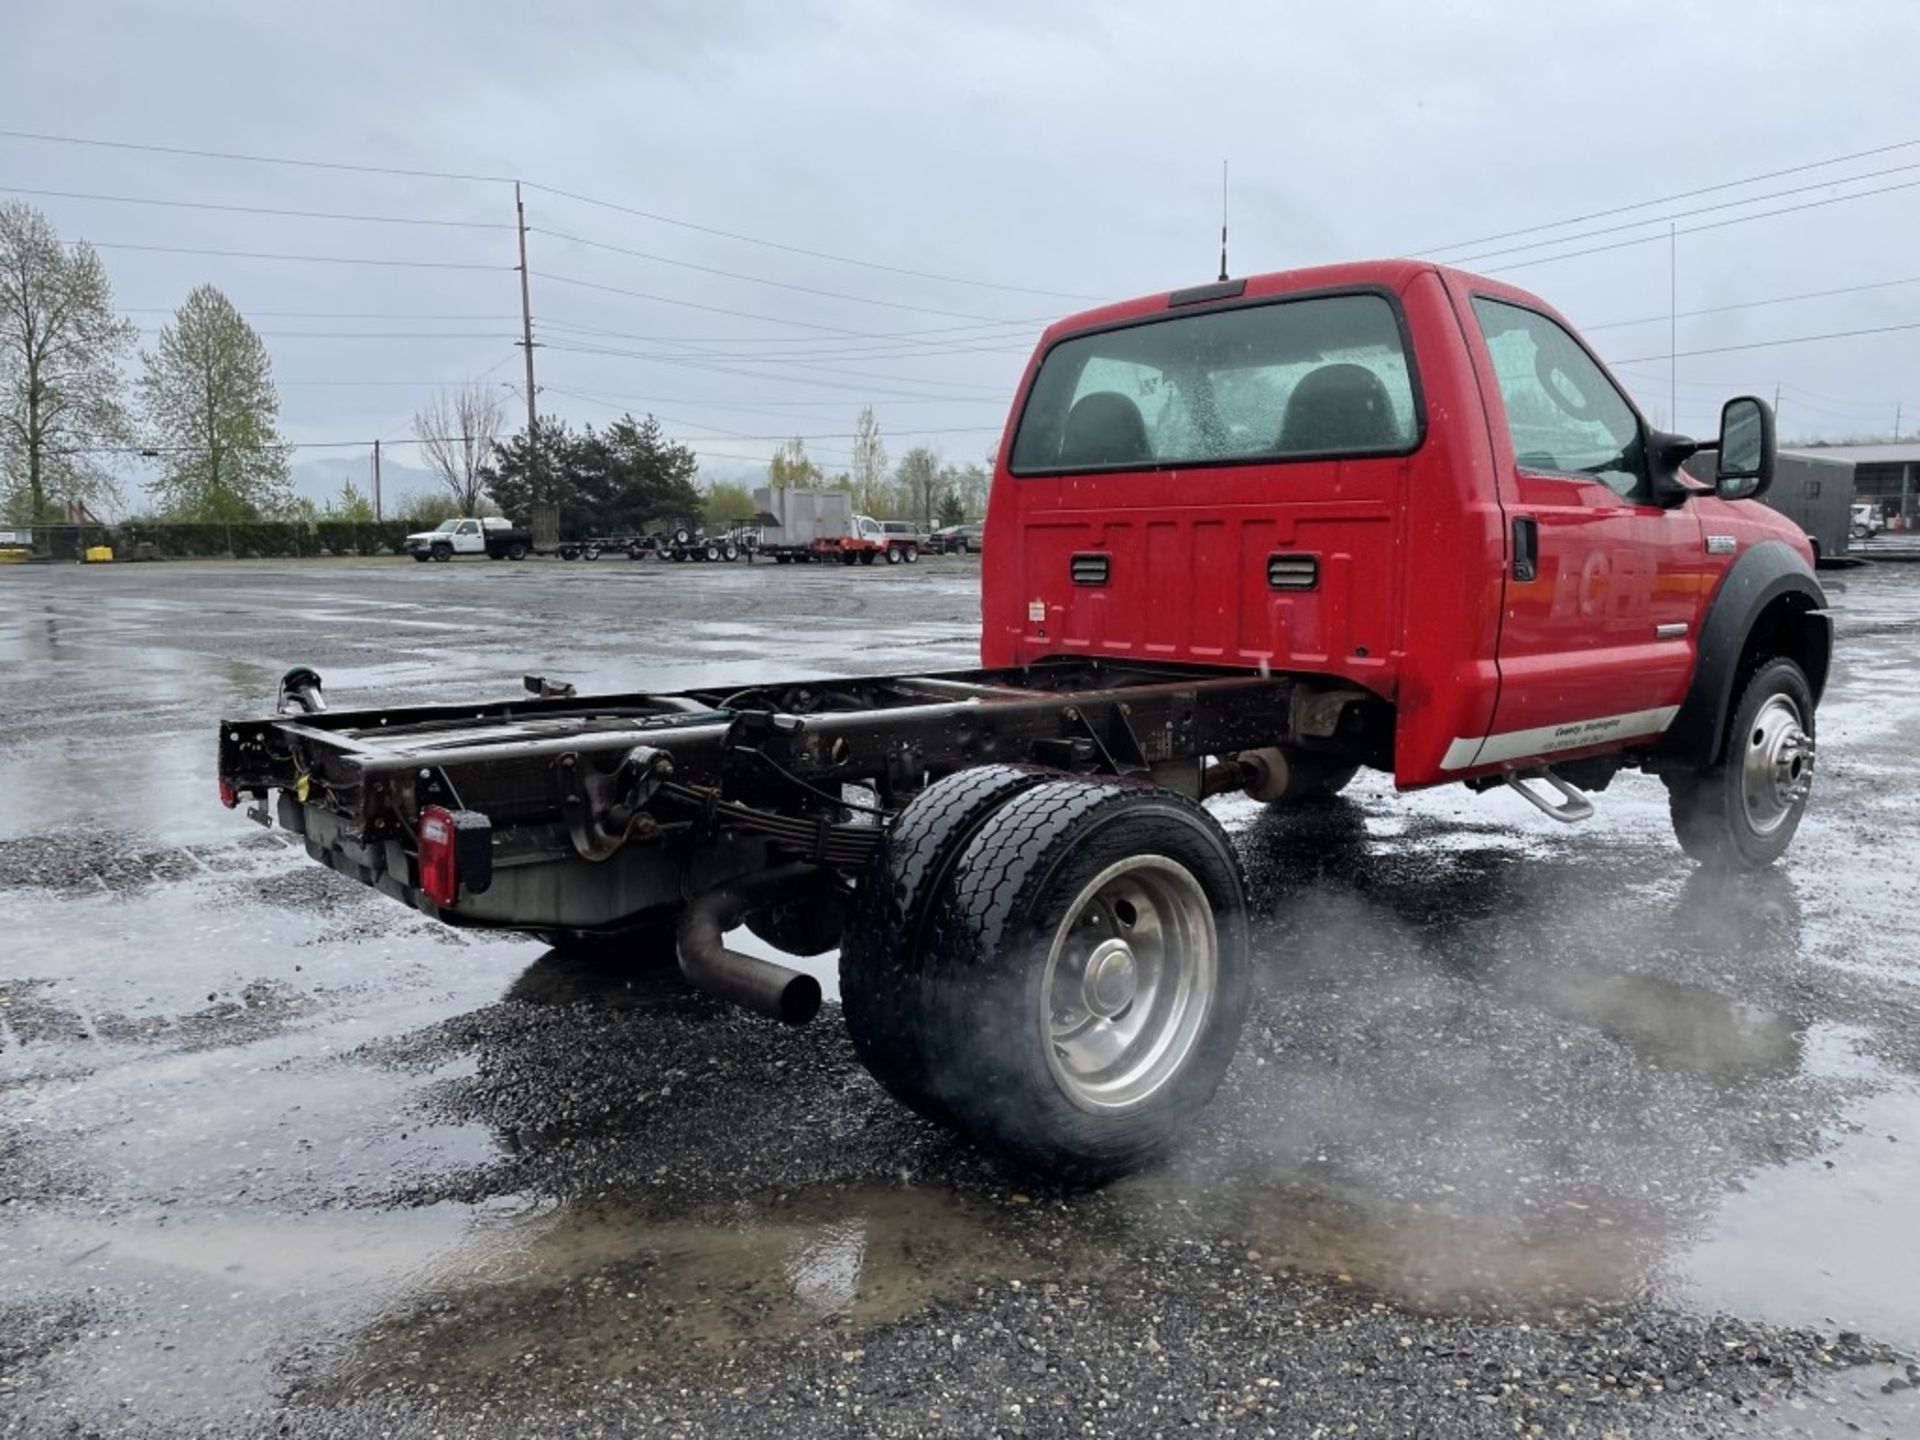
1669, 199
356, 334
688, 304
999, 329
262, 210
158, 449
1698, 210
1768, 344
749, 406
792, 357
699, 362
46, 139
762, 280
40, 137
307, 259
330, 314
1754, 304
802, 250
1700, 229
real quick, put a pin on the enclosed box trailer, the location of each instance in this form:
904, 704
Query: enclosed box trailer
1816, 493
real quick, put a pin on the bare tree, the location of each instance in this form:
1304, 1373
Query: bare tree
456, 430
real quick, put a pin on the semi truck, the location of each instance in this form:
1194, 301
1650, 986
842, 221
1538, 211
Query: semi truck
1245, 538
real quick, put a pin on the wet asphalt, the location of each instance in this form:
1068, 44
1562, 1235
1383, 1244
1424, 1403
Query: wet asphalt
1534, 1131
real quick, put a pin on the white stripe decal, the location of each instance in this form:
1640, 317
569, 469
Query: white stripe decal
1467, 752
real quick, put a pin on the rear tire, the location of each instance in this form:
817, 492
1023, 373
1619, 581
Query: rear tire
893, 555
517, 551
1741, 813
879, 982
1085, 976
866, 557
730, 552
911, 554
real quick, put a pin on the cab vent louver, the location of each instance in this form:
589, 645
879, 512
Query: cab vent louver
1293, 572
1089, 568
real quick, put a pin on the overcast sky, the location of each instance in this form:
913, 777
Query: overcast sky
1073, 150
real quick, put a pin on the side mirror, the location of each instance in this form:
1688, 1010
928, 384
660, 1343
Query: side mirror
1745, 467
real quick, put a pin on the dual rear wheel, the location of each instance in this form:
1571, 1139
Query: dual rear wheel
1057, 967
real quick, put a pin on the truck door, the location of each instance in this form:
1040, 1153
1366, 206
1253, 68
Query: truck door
467, 539
1603, 588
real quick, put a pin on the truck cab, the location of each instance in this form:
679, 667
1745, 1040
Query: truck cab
1414, 489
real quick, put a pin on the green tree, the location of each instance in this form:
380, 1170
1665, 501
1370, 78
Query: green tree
917, 482
969, 484
638, 476
730, 504
950, 511
790, 466
351, 505
542, 468
615, 481
209, 396
869, 469
61, 347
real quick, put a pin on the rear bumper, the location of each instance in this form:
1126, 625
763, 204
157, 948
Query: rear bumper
539, 884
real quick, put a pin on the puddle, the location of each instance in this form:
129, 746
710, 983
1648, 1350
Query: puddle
1829, 1241
579, 1296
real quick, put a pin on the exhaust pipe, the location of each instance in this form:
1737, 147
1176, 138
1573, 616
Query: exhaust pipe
754, 984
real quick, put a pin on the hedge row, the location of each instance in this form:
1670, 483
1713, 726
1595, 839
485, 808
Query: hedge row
249, 539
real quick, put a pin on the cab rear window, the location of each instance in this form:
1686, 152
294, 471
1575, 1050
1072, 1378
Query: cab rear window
1326, 376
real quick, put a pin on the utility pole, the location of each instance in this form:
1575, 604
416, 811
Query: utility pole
1673, 326
1776, 404
526, 328
376, 481
1896, 422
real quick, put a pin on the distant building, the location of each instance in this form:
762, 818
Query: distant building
1887, 475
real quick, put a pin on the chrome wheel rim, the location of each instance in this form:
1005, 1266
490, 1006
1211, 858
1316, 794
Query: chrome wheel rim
1776, 770
1129, 982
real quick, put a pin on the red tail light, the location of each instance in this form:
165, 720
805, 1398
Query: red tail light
439, 856
456, 853
229, 796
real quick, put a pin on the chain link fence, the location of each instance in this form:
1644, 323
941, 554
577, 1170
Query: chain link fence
209, 540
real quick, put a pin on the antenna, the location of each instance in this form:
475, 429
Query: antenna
1223, 220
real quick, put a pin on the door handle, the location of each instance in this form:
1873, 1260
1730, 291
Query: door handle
1526, 548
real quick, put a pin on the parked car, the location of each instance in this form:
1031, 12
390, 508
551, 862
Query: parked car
1867, 521
963, 539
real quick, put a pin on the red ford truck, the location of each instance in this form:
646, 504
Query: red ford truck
1247, 537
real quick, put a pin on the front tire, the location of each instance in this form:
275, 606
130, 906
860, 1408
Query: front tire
1086, 976
442, 553
1741, 813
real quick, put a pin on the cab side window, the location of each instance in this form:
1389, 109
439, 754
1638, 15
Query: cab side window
1563, 414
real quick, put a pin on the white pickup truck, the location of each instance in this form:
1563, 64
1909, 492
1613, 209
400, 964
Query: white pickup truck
493, 537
